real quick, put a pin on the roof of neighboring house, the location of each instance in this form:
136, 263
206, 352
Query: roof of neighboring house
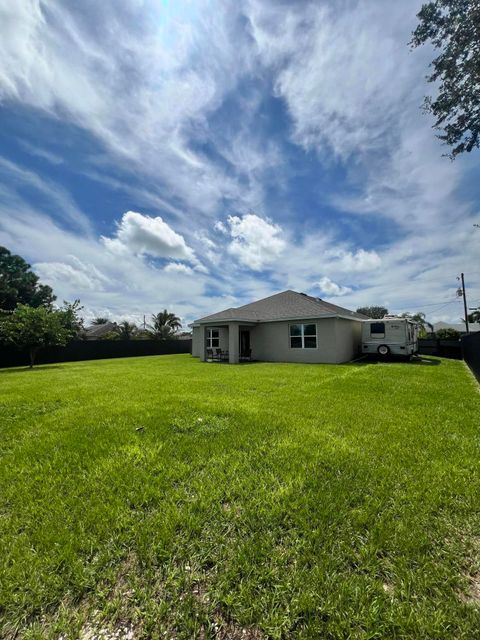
286, 305
98, 330
473, 326
185, 335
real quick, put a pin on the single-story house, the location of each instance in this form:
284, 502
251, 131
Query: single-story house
460, 327
285, 327
99, 331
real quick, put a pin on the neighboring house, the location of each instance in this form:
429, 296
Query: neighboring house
472, 326
185, 335
98, 331
285, 327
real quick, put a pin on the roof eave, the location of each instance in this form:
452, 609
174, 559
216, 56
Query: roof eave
320, 316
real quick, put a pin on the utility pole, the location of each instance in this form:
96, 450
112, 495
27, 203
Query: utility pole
464, 302
144, 323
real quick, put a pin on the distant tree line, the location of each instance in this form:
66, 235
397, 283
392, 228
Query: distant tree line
30, 320
163, 326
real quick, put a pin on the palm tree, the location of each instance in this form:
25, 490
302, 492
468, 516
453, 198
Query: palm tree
100, 321
164, 325
126, 330
475, 316
419, 318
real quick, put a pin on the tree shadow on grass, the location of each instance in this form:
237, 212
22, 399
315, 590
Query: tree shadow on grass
416, 360
422, 360
26, 368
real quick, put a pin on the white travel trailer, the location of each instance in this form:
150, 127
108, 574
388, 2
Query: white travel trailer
390, 335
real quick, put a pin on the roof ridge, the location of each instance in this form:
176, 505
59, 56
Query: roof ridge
283, 304
273, 295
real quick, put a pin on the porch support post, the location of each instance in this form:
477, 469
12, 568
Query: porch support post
233, 343
203, 342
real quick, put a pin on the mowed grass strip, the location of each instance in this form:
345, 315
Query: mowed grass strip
165, 497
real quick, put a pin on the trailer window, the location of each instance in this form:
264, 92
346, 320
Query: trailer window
377, 329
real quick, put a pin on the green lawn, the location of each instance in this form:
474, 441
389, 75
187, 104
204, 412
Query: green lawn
168, 498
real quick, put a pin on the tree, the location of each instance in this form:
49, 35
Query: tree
19, 285
69, 314
373, 312
475, 316
454, 27
111, 335
164, 325
32, 328
419, 318
126, 330
97, 321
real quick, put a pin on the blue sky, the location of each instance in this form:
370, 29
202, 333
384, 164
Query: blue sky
199, 155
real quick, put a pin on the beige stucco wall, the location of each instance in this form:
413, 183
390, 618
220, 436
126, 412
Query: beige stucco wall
271, 342
348, 336
196, 341
337, 341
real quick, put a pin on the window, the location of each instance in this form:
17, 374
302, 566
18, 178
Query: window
213, 338
377, 329
303, 336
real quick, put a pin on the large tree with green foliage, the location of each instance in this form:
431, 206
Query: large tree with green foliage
19, 285
453, 27
164, 325
373, 312
32, 328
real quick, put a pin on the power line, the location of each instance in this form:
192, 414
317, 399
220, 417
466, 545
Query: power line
443, 302
440, 308
432, 304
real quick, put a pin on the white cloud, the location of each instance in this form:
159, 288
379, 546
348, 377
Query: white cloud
178, 267
78, 276
143, 234
219, 226
332, 288
256, 242
359, 260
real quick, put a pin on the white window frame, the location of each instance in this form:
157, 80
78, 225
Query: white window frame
303, 335
211, 338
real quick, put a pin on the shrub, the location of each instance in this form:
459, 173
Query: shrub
448, 334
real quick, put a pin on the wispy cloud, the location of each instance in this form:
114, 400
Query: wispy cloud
194, 113
39, 152
16, 181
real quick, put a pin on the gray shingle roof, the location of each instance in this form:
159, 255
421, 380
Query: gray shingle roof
282, 306
98, 330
